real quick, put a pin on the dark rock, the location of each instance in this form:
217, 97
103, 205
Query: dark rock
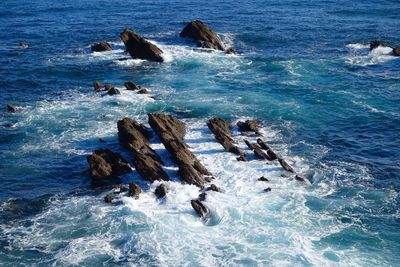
138, 47
257, 151
143, 91
134, 190
212, 187
199, 207
171, 131
134, 136
202, 197
263, 179
267, 189
131, 86
202, 34
108, 87
104, 163
97, 86
122, 189
396, 51
11, 108
270, 152
222, 132
108, 199
23, 45
101, 46
113, 91
301, 179
249, 126
285, 165
231, 51
376, 43
161, 191
241, 158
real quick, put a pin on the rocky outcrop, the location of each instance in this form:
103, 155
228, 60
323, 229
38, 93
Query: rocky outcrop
270, 152
199, 207
101, 47
113, 91
222, 132
132, 86
202, 34
134, 136
396, 51
138, 47
171, 132
104, 163
285, 165
11, 108
376, 43
134, 190
257, 151
249, 126
161, 191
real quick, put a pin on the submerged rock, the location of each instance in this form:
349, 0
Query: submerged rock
161, 191
104, 163
199, 207
230, 51
202, 34
134, 136
301, 179
134, 190
101, 46
270, 152
396, 51
263, 179
376, 43
212, 187
138, 47
23, 45
113, 91
222, 132
268, 189
249, 126
202, 197
171, 131
11, 108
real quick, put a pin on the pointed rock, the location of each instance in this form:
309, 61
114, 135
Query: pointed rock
101, 46
134, 190
104, 163
138, 47
202, 34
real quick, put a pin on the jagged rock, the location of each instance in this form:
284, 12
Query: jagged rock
202, 34
270, 152
376, 43
285, 165
301, 179
108, 199
143, 91
171, 131
23, 45
101, 46
161, 191
134, 136
113, 91
104, 163
223, 134
11, 108
268, 189
396, 51
131, 86
263, 179
134, 190
257, 151
97, 86
212, 187
138, 47
199, 207
230, 51
249, 126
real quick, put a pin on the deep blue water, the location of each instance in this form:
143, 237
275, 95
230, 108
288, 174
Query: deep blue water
328, 105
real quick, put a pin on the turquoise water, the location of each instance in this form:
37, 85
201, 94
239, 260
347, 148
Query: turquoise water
328, 105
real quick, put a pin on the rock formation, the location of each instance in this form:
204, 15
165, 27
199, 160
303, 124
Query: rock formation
104, 163
101, 46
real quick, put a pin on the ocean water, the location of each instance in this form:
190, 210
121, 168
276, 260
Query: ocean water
328, 105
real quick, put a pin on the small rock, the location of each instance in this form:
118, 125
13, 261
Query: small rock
202, 34
301, 179
113, 91
263, 179
101, 46
97, 86
249, 126
376, 43
23, 45
285, 165
134, 190
267, 189
108, 87
396, 51
230, 51
143, 91
131, 86
11, 108
212, 187
161, 191
103, 163
122, 189
199, 207
108, 199
202, 197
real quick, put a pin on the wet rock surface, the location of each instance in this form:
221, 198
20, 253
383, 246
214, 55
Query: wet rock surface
104, 163
134, 190
199, 207
101, 47
249, 126
11, 108
161, 191
202, 35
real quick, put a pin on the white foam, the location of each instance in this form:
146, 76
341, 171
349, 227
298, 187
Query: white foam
362, 56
